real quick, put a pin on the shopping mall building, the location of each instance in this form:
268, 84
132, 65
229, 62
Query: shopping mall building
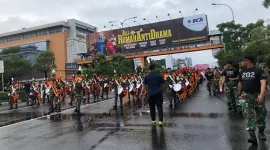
65, 38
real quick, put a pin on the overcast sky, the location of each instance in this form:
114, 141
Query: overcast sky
18, 14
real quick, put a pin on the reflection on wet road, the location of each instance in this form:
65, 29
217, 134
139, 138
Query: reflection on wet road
200, 122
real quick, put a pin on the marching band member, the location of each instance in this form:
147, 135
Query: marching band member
78, 89
54, 93
105, 86
132, 87
72, 90
124, 84
43, 92
95, 87
171, 81
13, 96
115, 82
86, 92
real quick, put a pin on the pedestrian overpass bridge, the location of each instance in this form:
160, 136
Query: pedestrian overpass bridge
162, 51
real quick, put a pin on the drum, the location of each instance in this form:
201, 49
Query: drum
35, 93
131, 86
177, 87
120, 90
187, 83
123, 93
138, 86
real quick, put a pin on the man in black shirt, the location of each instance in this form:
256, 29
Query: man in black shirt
230, 78
209, 76
252, 86
154, 82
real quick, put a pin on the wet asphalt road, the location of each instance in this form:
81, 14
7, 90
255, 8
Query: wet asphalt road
200, 122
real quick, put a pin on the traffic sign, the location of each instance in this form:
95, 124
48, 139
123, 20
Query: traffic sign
1, 66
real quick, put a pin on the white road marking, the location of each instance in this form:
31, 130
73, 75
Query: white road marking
69, 109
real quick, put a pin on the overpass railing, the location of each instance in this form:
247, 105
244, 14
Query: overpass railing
187, 46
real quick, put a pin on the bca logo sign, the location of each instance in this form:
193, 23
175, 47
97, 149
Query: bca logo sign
196, 20
195, 23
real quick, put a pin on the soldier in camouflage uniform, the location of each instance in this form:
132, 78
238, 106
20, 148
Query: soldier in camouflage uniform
72, 91
78, 89
230, 78
252, 87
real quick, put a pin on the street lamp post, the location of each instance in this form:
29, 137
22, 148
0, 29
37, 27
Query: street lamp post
157, 18
169, 16
195, 11
115, 25
122, 24
146, 20
107, 27
180, 12
227, 6
137, 22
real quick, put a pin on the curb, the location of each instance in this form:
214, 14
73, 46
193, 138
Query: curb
7, 103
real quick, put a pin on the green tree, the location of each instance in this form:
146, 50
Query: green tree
45, 62
101, 65
232, 35
238, 40
266, 3
259, 46
11, 50
15, 66
139, 69
122, 65
158, 64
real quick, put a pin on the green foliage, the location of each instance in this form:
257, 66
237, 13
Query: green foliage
45, 61
122, 65
139, 69
4, 96
266, 3
232, 35
15, 66
100, 65
252, 39
10, 50
158, 64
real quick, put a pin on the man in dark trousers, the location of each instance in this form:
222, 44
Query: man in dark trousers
154, 82
252, 86
27, 86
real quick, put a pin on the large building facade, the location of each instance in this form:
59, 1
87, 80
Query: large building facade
65, 39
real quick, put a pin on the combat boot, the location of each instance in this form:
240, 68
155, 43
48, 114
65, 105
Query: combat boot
262, 135
229, 106
16, 106
252, 139
11, 107
234, 108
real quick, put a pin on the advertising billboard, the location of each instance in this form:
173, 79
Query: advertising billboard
150, 36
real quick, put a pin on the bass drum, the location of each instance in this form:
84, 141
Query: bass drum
123, 93
131, 86
105, 85
138, 86
177, 87
120, 90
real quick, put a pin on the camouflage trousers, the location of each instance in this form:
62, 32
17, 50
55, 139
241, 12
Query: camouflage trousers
254, 113
79, 101
230, 93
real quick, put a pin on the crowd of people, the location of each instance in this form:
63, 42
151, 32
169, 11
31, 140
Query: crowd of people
245, 90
